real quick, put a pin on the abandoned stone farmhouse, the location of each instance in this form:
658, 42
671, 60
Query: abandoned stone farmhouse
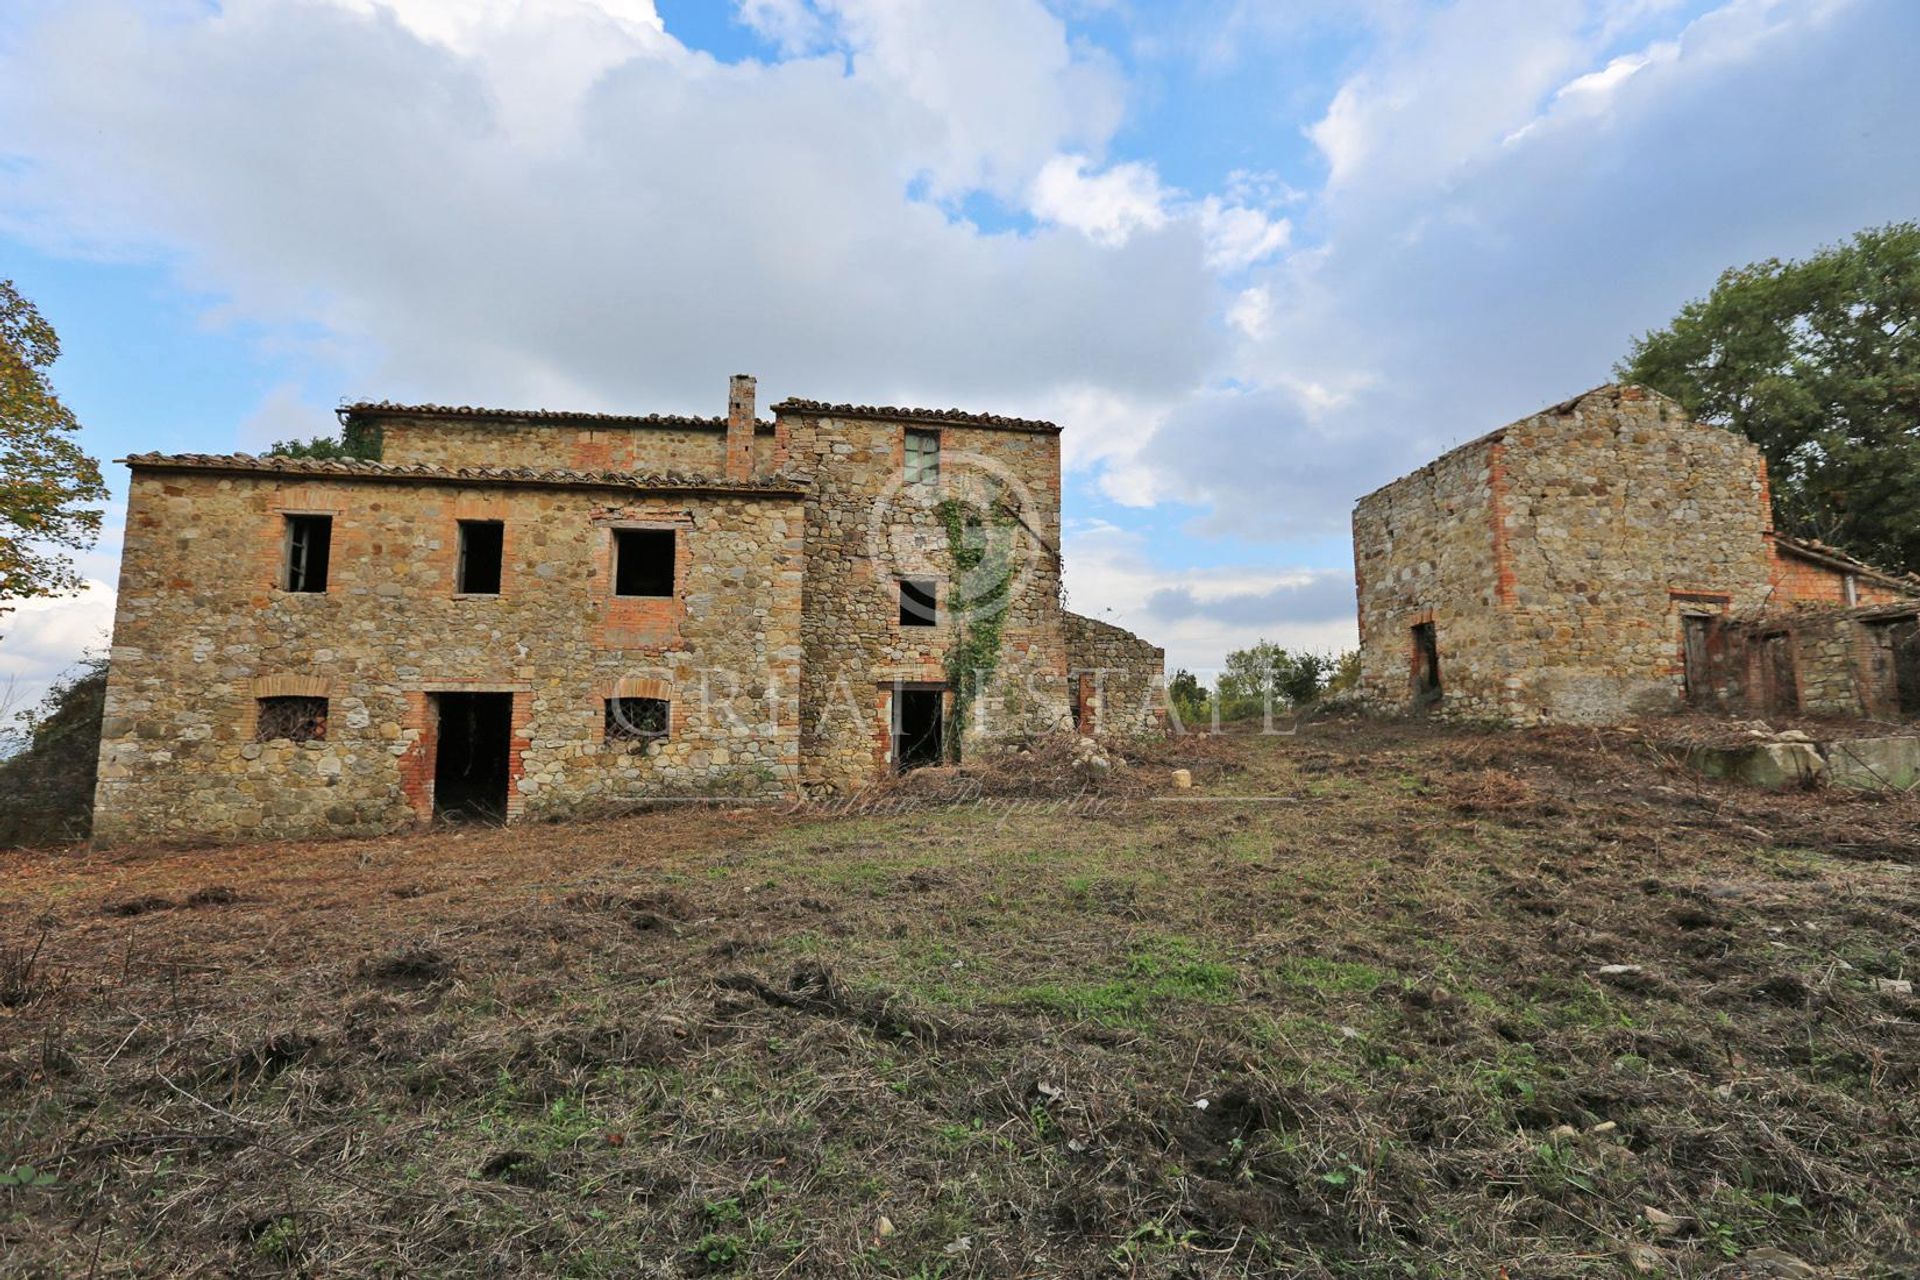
1606, 558
536, 614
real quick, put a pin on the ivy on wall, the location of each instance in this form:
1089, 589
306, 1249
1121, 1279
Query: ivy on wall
980, 541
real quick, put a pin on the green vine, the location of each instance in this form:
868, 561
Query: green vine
981, 558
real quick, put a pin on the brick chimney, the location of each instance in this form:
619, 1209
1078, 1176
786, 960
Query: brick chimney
740, 424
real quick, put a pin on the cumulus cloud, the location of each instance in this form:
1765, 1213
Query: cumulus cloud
41, 638
321, 161
1107, 207
1464, 276
1110, 206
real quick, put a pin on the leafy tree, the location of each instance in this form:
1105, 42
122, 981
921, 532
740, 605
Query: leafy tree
1187, 696
1345, 673
46, 479
46, 787
1266, 672
1818, 363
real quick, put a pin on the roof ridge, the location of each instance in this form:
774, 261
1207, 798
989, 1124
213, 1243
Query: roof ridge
795, 404
394, 409
1813, 546
284, 465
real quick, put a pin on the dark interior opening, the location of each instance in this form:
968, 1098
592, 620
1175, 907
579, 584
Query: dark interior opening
481, 544
470, 760
637, 719
1426, 665
643, 562
1779, 690
1697, 641
917, 738
1903, 652
309, 549
918, 598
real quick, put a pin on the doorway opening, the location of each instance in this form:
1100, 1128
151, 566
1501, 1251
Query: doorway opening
1426, 666
1697, 655
474, 743
919, 713
1779, 692
1897, 665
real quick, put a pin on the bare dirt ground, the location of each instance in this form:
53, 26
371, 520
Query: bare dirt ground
1377, 1000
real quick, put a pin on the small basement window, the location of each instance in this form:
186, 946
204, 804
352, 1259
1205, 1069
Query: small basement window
637, 719
309, 543
923, 457
643, 562
918, 602
481, 544
295, 719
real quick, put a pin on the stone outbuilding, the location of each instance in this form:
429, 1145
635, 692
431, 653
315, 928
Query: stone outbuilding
518, 615
1594, 561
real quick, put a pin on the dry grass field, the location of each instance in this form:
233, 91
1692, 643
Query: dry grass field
1373, 1001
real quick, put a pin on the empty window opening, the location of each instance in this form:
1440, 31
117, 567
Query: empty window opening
481, 545
918, 602
295, 719
643, 562
472, 745
637, 719
1426, 665
923, 457
918, 716
309, 547
1696, 637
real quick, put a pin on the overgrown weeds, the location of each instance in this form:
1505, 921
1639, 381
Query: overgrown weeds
1373, 1001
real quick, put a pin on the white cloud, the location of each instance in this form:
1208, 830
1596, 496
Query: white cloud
324, 167
283, 415
1106, 207
1445, 87
793, 25
1450, 294
1239, 237
1110, 207
40, 639
1252, 312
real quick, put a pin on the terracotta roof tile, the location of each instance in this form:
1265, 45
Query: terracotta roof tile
1834, 557
389, 409
552, 477
889, 413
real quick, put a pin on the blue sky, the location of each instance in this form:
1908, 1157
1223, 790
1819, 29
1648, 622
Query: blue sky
1258, 258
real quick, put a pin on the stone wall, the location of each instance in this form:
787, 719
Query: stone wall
1841, 661
1119, 678
865, 529
678, 446
1558, 556
203, 629
1425, 552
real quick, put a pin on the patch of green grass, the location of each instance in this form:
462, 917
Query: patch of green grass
1331, 977
1158, 970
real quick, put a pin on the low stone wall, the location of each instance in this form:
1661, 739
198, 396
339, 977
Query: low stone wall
1117, 679
1841, 661
1865, 764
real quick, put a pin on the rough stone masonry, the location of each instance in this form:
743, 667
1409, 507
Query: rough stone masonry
517, 615
1600, 559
